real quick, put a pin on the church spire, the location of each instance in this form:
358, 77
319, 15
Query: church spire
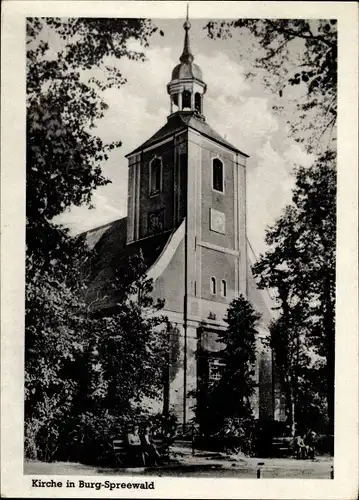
186, 88
186, 56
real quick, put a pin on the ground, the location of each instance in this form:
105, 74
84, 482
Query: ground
202, 464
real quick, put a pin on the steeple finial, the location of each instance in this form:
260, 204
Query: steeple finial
187, 21
186, 56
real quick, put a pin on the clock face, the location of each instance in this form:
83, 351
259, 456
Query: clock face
217, 221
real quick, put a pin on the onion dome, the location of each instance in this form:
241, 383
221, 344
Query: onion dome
186, 87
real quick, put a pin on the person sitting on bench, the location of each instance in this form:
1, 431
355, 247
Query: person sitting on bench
300, 449
149, 447
310, 440
134, 446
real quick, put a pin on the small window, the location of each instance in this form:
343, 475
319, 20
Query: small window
198, 102
217, 172
223, 288
215, 369
155, 222
186, 99
155, 176
213, 286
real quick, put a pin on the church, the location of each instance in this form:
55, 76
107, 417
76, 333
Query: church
187, 215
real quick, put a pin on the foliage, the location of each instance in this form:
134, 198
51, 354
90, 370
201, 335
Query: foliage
163, 424
229, 398
239, 354
82, 362
90, 434
293, 52
312, 406
83, 369
89, 440
297, 60
300, 267
64, 103
53, 334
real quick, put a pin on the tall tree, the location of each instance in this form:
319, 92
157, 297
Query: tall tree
299, 368
230, 397
300, 267
64, 103
63, 168
239, 353
297, 60
287, 53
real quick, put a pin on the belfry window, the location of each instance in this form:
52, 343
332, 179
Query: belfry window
198, 102
223, 288
174, 103
217, 175
186, 99
213, 286
155, 175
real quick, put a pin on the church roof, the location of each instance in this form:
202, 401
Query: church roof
110, 250
183, 121
187, 70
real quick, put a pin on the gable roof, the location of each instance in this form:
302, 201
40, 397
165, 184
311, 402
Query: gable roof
110, 250
182, 121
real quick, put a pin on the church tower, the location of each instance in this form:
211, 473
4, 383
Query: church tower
187, 204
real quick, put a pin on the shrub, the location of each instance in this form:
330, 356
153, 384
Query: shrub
89, 440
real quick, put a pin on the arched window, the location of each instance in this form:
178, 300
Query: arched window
223, 288
217, 175
213, 286
155, 175
198, 102
186, 99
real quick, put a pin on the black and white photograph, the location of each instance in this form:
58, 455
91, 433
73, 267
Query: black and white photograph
180, 264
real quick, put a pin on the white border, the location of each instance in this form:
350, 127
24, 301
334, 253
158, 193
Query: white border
14, 483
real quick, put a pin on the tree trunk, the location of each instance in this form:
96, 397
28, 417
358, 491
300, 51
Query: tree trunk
291, 406
284, 293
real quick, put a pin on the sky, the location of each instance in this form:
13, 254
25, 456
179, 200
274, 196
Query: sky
239, 109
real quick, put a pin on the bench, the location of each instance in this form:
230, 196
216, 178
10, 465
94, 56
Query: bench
282, 446
120, 450
188, 433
